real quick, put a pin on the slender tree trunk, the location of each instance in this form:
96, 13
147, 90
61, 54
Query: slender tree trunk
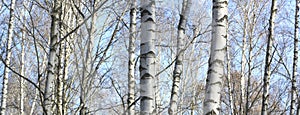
8, 56
179, 57
22, 71
295, 61
59, 83
23, 74
147, 57
52, 59
243, 63
249, 75
131, 79
229, 78
214, 81
267, 68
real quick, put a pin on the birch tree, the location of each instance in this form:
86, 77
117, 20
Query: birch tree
186, 4
295, 61
8, 57
147, 57
52, 59
243, 62
214, 81
131, 79
267, 69
22, 63
228, 65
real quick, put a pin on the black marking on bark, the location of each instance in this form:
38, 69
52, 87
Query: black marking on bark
151, 54
146, 76
212, 112
149, 19
210, 101
180, 26
223, 49
141, 68
178, 62
145, 98
145, 12
217, 6
216, 61
219, 82
211, 70
225, 17
225, 36
219, 25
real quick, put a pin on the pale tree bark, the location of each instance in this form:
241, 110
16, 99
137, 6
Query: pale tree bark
186, 4
230, 95
295, 61
52, 59
214, 81
267, 68
64, 54
8, 56
22, 71
243, 64
147, 57
70, 22
131, 79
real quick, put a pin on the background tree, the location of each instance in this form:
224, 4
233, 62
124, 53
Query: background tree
217, 58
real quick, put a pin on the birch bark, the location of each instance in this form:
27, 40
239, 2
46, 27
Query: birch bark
295, 61
22, 72
179, 57
131, 79
267, 68
8, 56
52, 59
229, 78
217, 58
147, 57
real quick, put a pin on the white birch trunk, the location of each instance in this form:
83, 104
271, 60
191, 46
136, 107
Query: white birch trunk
267, 68
8, 56
52, 59
131, 79
22, 72
243, 64
249, 75
214, 81
147, 57
295, 61
179, 57
229, 78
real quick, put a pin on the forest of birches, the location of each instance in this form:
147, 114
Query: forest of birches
149, 57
